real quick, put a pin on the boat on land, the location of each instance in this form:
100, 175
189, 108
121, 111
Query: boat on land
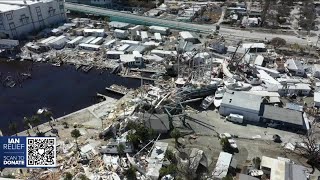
218, 96
206, 103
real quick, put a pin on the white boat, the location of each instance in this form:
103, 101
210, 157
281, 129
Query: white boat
239, 86
218, 96
207, 102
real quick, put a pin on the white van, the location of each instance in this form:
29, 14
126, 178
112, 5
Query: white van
235, 118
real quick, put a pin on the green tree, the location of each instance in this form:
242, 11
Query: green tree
228, 177
35, 121
26, 124
141, 134
65, 125
48, 116
120, 148
171, 169
67, 176
170, 156
83, 177
225, 145
256, 162
76, 134
134, 139
130, 173
13, 128
176, 134
307, 15
277, 42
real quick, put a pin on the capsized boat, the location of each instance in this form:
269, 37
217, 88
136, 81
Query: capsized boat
205, 104
218, 96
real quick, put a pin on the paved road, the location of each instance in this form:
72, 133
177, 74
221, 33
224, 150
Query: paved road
132, 18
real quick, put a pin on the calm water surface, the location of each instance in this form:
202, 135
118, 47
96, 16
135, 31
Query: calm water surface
62, 89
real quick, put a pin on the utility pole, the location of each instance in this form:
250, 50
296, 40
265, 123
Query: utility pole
317, 41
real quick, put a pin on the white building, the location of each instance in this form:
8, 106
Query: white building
278, 169
21, 17
234, 102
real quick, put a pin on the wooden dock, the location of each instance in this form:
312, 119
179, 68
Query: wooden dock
115, 91
145, 70
139, 77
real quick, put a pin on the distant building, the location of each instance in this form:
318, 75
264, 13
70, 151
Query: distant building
99, 3
21, 17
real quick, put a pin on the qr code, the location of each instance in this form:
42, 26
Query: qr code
41, 152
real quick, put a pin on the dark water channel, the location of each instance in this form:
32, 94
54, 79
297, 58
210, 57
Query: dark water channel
61, 89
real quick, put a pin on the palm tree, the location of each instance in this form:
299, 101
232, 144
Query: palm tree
76, 134
13, 128
26, 123
35, 121
176, 134
120, 149
48, 115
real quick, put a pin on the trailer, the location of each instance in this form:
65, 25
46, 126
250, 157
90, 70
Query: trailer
114, 54
94, 32
157, 37
109, 44
159, 29
74, 42
47, 40
91, 47
97, 41
123, 47
59, 42
144, 36
88, 41
121, 34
